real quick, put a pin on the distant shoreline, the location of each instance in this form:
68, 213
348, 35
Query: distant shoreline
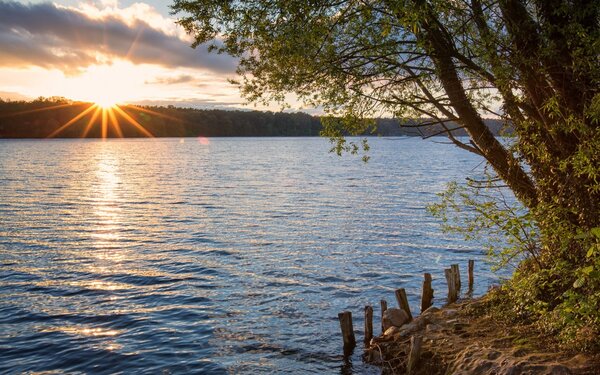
60, 118
376, 136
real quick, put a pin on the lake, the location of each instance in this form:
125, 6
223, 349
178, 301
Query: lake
221, 255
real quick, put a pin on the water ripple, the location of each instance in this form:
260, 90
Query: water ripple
156, 256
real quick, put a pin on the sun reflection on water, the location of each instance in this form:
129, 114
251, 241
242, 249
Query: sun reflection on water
84, 331
107, 336
106, 232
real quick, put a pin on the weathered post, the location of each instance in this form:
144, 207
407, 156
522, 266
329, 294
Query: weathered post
414, 354
456, 274
347, 332
368, 324
471, 268
383, 308
450, 280
403, 302
427, 294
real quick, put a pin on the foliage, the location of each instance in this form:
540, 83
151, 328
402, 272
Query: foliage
561, 302
492, 218
534, 64
577, 317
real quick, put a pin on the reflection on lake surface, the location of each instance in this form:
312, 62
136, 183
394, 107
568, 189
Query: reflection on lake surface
220, 255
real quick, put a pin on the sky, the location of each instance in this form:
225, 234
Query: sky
109, 51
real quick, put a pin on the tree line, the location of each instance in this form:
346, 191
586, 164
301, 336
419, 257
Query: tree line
44, 117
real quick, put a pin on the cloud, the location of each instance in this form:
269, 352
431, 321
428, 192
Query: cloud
55, 37
168, 80
194, 103
10, 95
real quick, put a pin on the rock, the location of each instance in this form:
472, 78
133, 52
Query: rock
430, 310
394, 317
432, 328
412, 327
391, 331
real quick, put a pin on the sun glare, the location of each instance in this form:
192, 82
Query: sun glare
106, 85
110, 116
104, 93
105, 103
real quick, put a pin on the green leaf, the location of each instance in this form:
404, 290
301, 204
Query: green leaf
587, 270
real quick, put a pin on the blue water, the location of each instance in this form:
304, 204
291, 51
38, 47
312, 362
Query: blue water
219, 256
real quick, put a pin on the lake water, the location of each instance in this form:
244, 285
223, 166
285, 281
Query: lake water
213, 255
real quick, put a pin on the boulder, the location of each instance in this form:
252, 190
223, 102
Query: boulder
430, 310
412, 327
394, 317
391, 331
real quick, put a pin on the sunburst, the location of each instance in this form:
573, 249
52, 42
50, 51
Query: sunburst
111, 115
106, 114
105, 103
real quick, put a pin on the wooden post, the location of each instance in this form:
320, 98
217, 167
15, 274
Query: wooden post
415, 352
427, 294
450, 280
456, 274
347, 332
471, 267
403, 302
383, 308
368, 324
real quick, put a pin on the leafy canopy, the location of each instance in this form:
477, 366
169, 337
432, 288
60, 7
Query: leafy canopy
533, 63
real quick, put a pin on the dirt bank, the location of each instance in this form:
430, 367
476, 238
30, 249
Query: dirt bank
462, 339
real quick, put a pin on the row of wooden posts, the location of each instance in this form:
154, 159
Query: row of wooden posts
452, 279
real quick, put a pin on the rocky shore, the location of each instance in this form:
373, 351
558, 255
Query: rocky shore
462, 339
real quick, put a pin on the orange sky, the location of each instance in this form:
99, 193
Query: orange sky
106, 52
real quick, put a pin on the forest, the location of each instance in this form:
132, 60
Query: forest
57, 117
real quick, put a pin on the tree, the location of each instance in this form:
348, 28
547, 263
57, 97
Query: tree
533, 63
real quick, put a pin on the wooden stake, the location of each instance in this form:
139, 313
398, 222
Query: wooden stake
383, 308
471, 268
456, 274
427, 294
347, 331
368, 324
415, 353
403, 302
450, 280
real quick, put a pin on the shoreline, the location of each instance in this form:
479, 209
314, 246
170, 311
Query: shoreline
461, 338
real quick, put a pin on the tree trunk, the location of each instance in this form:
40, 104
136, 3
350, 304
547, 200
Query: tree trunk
500, 159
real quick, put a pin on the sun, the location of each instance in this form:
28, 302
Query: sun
106, 102
107, 85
